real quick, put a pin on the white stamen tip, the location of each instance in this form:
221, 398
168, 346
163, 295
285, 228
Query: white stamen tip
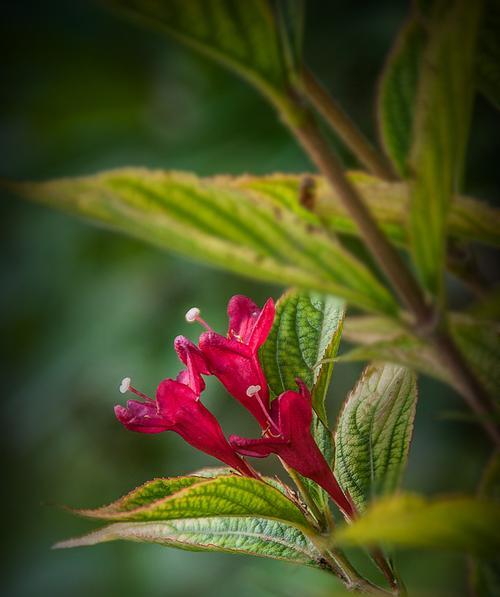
192, 314
252, 390
125, 385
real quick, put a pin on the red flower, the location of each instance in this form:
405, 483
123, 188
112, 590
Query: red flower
290, 438
234, 359
178, 408
195, 363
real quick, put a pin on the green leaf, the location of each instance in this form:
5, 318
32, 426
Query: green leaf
467, 221
486, 576
374, 431
221, 496
209, 472
334, 312
398, 91
488, 53
150, 492
458, 524
306, 327
399, 82
380, 339
248, 535
306, 330
290, 17
479, 342
320, 428
392, 344
242, 36
487, 307
216, 222
490, 482
224, 513
441, 125
367, 329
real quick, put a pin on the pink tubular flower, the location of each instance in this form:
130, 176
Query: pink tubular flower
290, 438
234, 359
178, 408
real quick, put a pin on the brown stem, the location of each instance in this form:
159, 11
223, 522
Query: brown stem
425, 318
386, 255
340, 122
379, 559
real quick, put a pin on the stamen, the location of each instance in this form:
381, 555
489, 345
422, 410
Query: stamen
194, 315
125, 386
268, 433
254, 391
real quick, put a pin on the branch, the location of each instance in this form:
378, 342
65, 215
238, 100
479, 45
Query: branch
386, 255
340, 122
427, 322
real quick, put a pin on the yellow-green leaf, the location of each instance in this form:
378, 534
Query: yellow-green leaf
228, 495
397, 93
381, 339
374, 431
233, 534
443, 107
410, 521
217, 222
470, 220
479, 342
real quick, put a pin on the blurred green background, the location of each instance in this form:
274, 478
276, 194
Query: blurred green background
82, 90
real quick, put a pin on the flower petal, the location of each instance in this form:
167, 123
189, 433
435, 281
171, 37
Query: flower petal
262, 326
142, 417
292, 414
247, 323
256, 448
243, 314
196, 424
236, 368
191, 356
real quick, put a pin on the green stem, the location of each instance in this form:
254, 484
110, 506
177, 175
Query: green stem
344, 570
337, 561
342, 124
324, 520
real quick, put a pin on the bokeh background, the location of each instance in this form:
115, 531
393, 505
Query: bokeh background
81, 91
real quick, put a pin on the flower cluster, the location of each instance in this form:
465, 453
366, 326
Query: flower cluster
233, 359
